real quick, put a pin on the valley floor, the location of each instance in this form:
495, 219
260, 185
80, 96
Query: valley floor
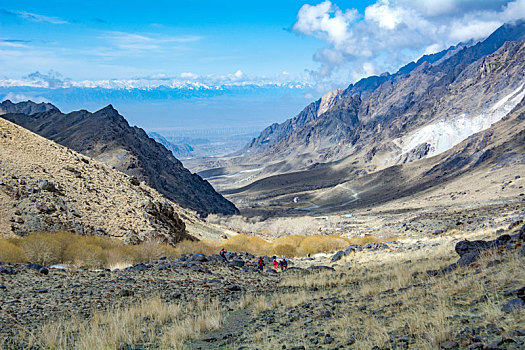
379, 298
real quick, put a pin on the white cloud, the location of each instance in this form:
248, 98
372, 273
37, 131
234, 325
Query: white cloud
189, 75
390, 33
326, 21
135, 42
186, 80
13, 97
33, 17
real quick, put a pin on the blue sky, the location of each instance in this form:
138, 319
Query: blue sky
211, 61
123, 39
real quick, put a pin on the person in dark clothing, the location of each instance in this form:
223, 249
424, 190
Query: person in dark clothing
284, 264
223, 254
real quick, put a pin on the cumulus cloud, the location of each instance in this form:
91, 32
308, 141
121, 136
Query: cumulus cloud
390, 33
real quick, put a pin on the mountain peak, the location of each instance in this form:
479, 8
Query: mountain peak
26, 107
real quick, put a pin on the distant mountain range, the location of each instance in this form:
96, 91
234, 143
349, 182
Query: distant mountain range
106, 136
370, 129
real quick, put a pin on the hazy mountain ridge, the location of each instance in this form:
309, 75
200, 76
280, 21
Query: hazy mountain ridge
179, 151
106, 136
28, 107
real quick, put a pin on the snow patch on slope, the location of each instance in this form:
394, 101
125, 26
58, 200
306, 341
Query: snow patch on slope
445, 134
329, 100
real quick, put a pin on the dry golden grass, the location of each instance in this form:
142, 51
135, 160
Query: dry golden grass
11, 253
150, 321
425, 307
99, 252
83, 251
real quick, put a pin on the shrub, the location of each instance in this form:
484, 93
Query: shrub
149, 251
364, 240
86, 254
42, 249
11, 253
197, 247
317, 244
253, 245
284, 249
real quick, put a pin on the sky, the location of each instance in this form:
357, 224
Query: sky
252, 62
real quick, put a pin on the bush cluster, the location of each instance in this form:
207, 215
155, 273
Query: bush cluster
84, 251
99, 252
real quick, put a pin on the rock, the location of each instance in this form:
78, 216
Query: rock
42, 290
134, 181
45, 185
301, 347
468, 258
137, 268
37, 267
176, 296
518, 292
320, 268
493, 263
197, 258
233, 288
352, 248
131, 347
328, 339
7, 271
350, 341
2, 286
449, 344
513, 304
236, 263
45, 208
338, 256
126, 293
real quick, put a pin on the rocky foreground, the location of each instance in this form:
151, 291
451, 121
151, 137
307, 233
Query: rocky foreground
380, 296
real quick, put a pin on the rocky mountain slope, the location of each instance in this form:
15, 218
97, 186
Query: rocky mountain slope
48, 187
106, 136
361, 149
391, 105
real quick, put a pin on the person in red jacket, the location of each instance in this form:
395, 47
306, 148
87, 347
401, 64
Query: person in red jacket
261, 264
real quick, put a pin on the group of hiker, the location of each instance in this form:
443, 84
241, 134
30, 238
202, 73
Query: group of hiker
281, 264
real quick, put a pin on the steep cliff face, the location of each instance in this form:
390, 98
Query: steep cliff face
47, 187
106, 136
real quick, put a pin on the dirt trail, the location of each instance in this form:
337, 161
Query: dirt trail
227, 335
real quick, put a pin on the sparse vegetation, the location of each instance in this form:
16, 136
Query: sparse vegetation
149, 321
98, 252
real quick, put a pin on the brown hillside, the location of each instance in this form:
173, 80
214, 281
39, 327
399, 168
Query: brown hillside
48, 187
